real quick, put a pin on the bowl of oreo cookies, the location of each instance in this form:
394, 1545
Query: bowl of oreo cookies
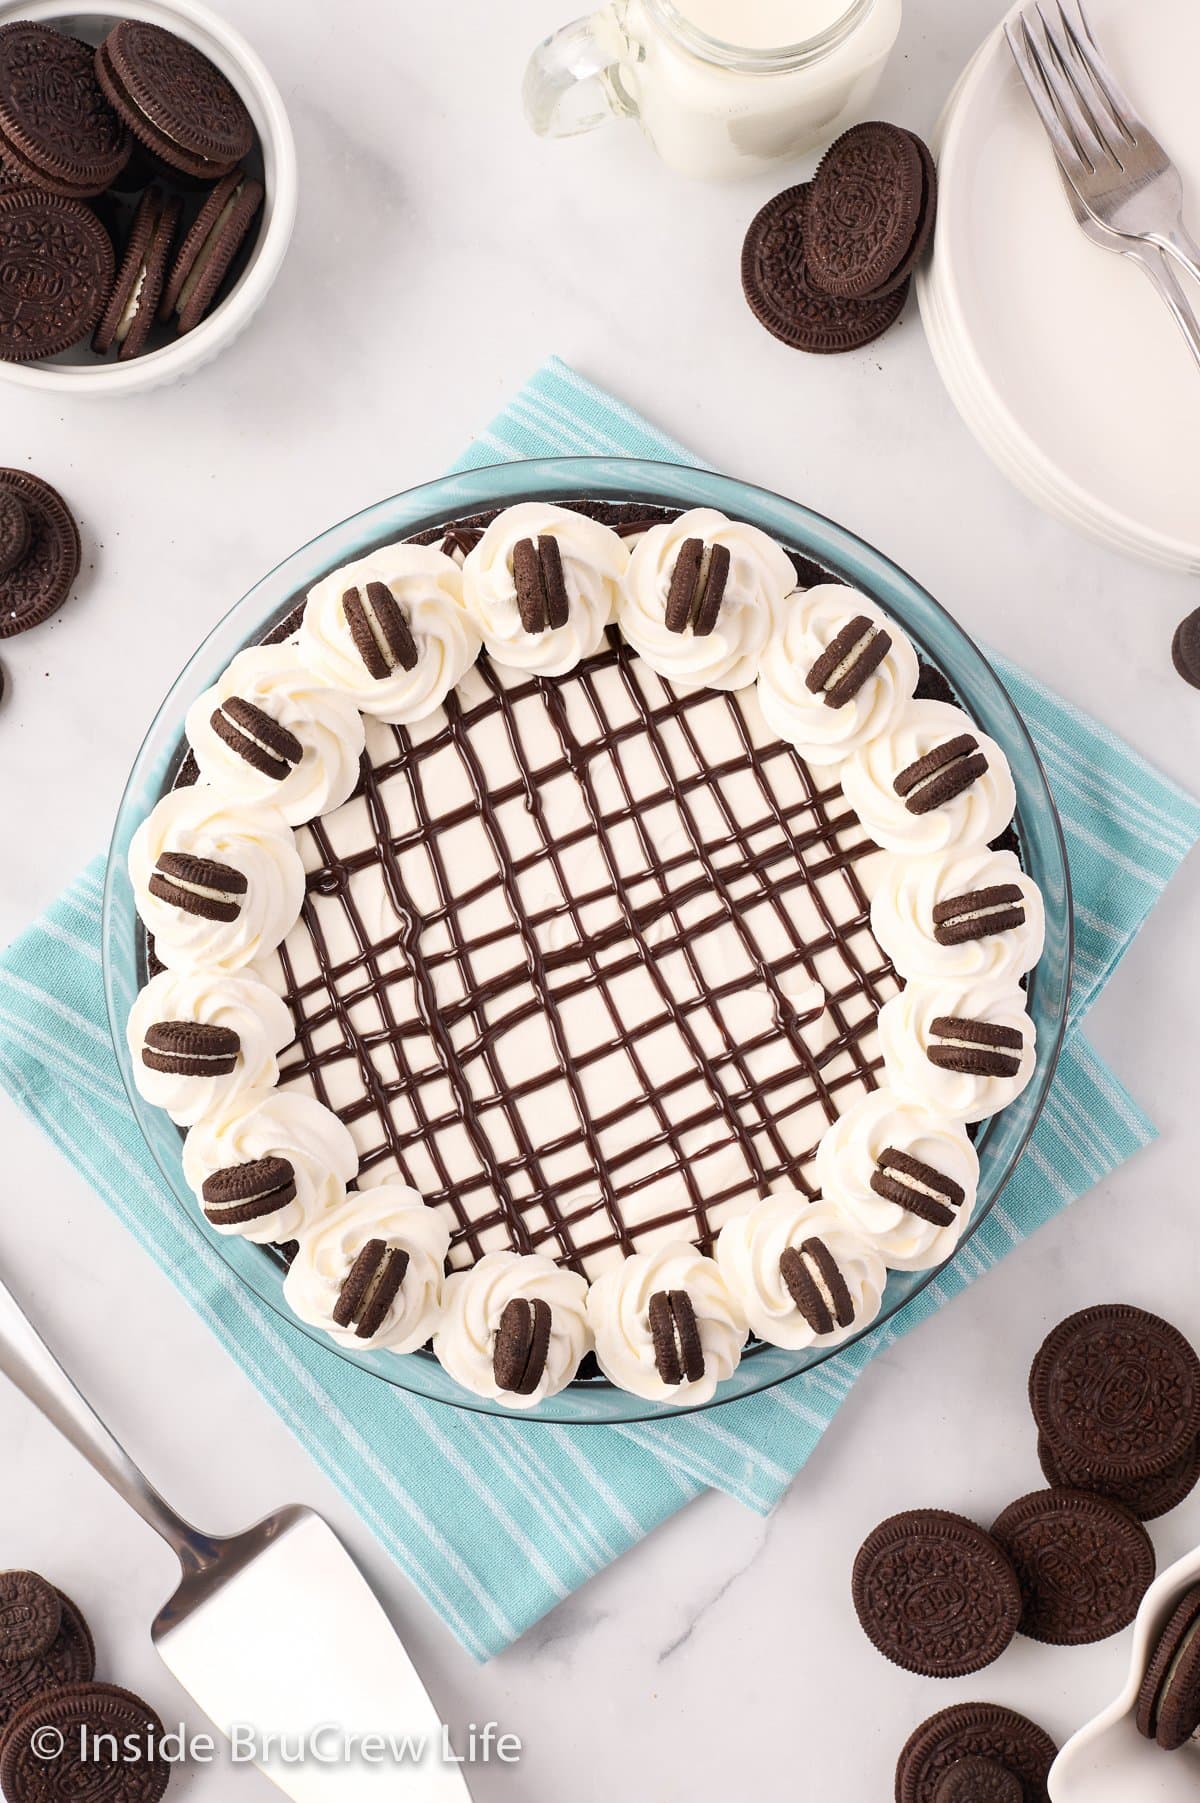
587, 939
147, 191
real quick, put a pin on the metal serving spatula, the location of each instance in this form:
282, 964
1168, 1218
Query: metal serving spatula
275, 1632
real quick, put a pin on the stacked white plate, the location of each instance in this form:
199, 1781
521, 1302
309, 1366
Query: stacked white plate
1058, 354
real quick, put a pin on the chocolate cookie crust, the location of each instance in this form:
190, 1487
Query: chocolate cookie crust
935, 1593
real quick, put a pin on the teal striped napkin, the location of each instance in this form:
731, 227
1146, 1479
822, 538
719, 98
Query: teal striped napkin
495, 1522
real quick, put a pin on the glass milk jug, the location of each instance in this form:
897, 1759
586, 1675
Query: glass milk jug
721, 88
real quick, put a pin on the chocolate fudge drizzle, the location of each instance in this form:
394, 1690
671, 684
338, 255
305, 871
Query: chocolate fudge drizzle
435, 1068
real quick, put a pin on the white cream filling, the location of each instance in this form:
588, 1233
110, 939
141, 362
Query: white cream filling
914, 1183
976, 1045
385, 650
270, 751
980, 913
201, 890
131, 307
935, 775
851, 658
814, 1270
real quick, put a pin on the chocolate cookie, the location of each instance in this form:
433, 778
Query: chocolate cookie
371, 1286
174, 100
70, 1659
1185, 648
56, 128
186, 1048
110, 1750
213, 241
56, 268
1116, 1391
41, 582
863, 210
1083, 1564
1168, 1703
249, 1192
522, 1344
935, 1593
974, 1731
1145, 1497
133, 303
975, 1780
16, 534
30, 1616
783, 298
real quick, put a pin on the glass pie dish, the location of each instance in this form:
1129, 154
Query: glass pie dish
999, 1141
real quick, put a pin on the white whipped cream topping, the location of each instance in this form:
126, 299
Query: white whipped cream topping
276, 1123
750, 1247
261, 1020
594, 560
811, 619
327, 724
328, 1249
476, 1299
251, 838
760, 576
428, 587
619, 1313
907, 893
975, 817
905, 1033
848, 1158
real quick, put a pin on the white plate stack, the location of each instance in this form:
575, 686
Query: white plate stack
1059, 355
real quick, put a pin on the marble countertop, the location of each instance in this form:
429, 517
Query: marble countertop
441, 253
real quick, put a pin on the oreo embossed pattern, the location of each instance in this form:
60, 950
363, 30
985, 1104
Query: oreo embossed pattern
128, 192
827, 265
1114, 1391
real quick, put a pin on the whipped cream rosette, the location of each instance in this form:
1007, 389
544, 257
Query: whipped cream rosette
904, 1177
269, 730
371, 1272
958, 916
701, 598
202, 1041
967, 1052
218, 883
666, 1325
390, 630
931, 782
514, 1327
541, 586
270, 1164
803, 1275
835, 674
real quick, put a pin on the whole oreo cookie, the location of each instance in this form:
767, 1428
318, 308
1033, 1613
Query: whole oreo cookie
863, 210
1185, 648
1083, 1564
56, 268
209, 247
1116, 1391
111, 1743
57, 131
174, 100
782, 296
41, 582
30, 1616
983, 1731
69, 1659
133, 303
1168, 1703
16, 534
935, 1593
1145, 1497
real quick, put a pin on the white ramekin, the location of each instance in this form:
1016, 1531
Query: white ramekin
234, 57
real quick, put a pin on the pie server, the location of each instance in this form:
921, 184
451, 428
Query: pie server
274, 1631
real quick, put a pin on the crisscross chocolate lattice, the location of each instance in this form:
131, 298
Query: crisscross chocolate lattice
557, 958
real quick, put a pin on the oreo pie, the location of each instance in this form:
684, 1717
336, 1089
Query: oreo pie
581, 941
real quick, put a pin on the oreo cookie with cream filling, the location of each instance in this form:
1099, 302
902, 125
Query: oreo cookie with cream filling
57, 131
38, 584
864, 209
781, 294
56, 271
133, 304
209, 247
174, 99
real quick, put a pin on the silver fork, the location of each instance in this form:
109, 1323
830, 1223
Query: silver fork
1121, 172
1148, 256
